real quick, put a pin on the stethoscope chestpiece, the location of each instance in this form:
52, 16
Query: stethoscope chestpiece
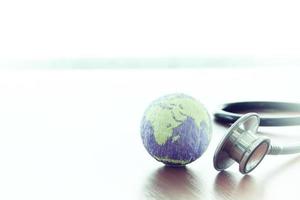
241, 144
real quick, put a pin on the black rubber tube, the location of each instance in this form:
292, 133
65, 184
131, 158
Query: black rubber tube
231, 112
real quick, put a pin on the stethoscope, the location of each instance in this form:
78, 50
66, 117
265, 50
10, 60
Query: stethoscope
241, 144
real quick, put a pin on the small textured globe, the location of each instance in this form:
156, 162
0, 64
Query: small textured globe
176, 129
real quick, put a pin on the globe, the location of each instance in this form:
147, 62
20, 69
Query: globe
176, 129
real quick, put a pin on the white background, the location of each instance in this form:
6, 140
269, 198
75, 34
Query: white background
36, 29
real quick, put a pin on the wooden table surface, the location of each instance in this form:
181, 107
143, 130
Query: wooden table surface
74, 134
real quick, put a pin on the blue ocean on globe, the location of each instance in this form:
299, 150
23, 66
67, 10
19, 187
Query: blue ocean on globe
176, 129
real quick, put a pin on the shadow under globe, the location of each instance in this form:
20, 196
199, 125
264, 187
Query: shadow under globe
173, 183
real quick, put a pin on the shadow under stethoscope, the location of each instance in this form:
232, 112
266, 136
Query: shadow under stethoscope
173, 183
228, 185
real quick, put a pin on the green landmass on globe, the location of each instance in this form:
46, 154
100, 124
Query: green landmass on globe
168, 113
176, 129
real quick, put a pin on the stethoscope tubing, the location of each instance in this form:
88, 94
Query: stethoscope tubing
231, 112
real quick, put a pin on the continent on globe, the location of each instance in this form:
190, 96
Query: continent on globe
176, 129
